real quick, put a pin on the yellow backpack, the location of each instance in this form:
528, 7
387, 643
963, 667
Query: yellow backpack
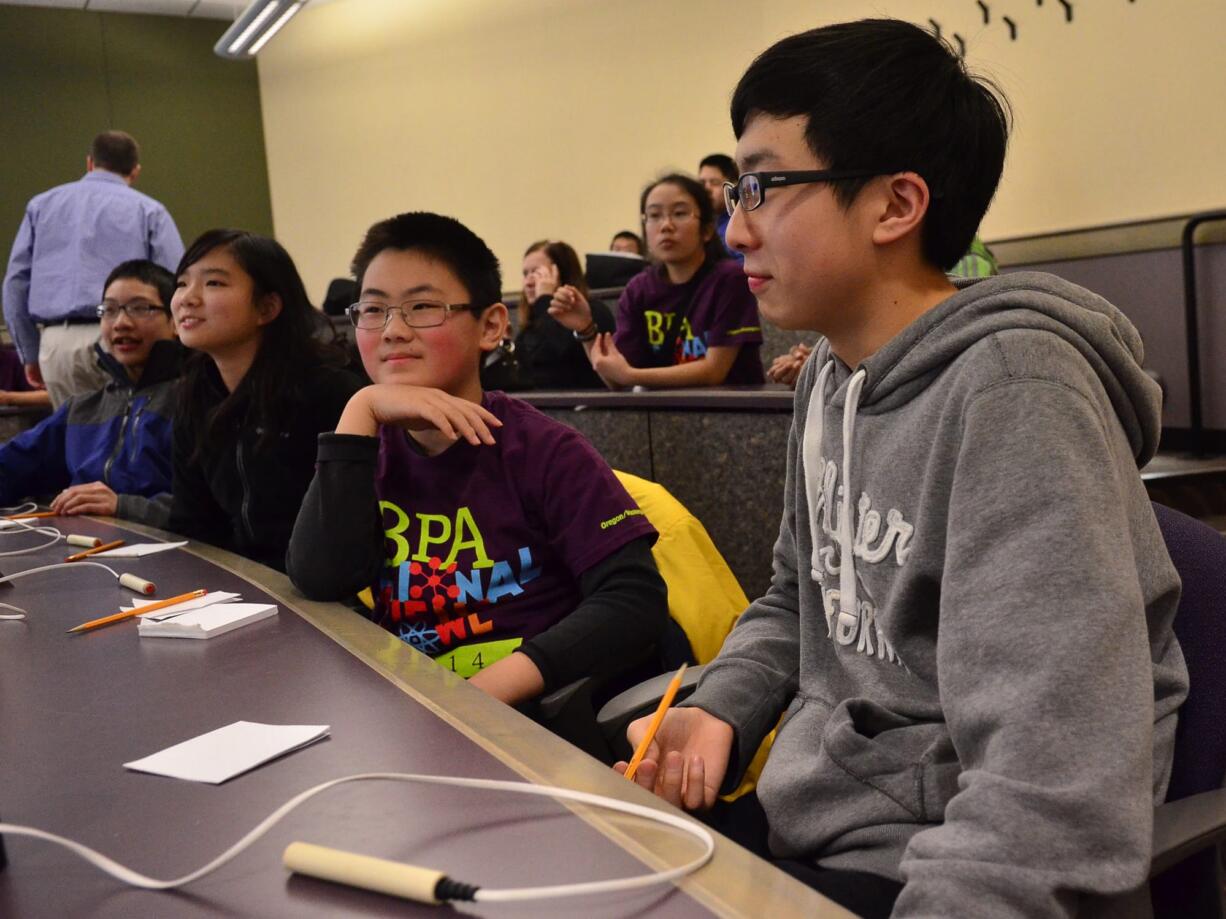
704, 596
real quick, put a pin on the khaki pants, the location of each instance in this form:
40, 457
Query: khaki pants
67, 361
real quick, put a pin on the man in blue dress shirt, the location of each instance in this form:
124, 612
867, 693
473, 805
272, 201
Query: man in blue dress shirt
69, 240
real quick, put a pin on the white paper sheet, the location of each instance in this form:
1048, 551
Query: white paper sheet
208, 622
226, 752
169, 612
139, 549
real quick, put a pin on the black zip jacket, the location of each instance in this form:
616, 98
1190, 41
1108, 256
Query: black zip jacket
243, 497
550, 356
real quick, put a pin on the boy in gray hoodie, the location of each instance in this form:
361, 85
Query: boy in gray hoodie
968, 631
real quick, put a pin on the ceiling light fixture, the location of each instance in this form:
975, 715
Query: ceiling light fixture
252, 30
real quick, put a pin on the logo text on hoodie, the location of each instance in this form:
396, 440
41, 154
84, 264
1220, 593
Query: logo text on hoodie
869, 544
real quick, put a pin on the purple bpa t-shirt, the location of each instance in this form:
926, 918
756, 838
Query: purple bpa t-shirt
485, 545
724, 313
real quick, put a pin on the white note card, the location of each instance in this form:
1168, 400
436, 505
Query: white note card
140, 549
220, 755
169, 612
206, 622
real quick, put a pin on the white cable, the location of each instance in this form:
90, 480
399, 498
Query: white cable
21, 614
494, 895
29, 571
28, 508
23, 527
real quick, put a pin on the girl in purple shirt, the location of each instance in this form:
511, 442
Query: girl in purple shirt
690, 320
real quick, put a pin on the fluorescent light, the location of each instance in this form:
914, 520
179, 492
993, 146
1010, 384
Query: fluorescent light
274, 29
258, 21
254, 27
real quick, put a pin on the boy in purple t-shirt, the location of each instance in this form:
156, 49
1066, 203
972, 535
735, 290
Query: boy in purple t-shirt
495, 539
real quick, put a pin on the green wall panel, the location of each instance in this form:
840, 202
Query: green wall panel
66, 75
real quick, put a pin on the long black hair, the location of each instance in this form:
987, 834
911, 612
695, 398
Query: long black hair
288, 352
713, 247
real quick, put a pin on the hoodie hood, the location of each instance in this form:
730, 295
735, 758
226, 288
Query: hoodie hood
909, 362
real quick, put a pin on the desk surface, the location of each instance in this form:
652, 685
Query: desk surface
73, 708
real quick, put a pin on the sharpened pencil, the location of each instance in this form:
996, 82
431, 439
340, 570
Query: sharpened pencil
140, 610
77, 556
656, 720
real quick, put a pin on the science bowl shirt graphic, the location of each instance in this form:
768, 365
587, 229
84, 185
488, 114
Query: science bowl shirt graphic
485, 545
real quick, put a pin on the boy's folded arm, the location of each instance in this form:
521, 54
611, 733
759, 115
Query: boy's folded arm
622, 614
335, 549
1046, 673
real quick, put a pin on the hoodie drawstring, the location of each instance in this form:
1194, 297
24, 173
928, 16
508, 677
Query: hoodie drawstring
814, 472
811, 452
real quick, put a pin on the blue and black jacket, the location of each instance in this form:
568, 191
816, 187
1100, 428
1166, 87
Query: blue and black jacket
121, 435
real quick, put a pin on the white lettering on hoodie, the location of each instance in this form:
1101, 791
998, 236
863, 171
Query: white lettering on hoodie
830, 514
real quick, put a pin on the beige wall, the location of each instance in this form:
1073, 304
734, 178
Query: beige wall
533, 118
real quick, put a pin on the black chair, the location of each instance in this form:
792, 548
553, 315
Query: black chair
341, 293
1189, 829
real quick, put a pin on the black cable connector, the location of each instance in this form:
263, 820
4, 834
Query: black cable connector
447, 890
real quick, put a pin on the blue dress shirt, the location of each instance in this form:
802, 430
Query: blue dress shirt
70, 239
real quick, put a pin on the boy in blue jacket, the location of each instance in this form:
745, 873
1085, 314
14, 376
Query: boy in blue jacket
109, 452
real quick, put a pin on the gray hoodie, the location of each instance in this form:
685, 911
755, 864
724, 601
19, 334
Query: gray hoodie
971, 645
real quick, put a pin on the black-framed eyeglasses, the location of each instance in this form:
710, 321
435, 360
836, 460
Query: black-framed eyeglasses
417, 314
136, 309
750, 189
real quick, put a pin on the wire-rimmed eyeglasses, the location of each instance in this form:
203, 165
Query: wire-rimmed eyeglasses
417, 314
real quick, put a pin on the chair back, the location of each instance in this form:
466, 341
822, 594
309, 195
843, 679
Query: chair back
1193, 887
1199, 554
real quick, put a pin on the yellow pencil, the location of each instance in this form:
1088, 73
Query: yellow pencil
140, 610
39, 514
669, 694
104, 547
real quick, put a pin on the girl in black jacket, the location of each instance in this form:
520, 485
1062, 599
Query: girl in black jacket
257, 392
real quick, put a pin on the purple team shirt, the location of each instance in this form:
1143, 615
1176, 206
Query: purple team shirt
485, 545
724, 313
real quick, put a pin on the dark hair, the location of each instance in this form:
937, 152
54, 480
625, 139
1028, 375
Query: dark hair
713, 248
441, 238
288, 353
886, 96
628, 234
570, 271
115, 152
724, 163
147, 272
